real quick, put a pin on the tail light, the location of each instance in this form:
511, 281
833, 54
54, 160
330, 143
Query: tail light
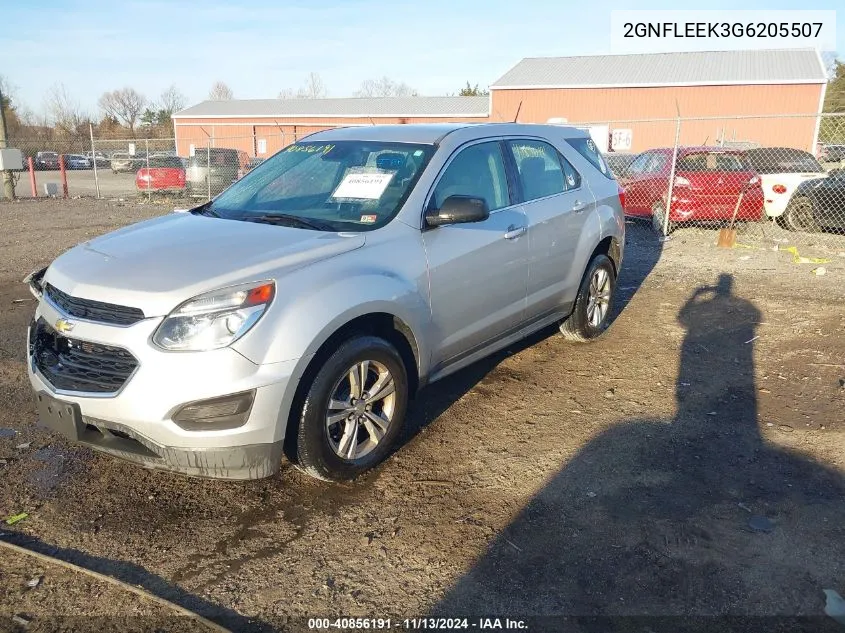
779, 189
680, 181
621, 193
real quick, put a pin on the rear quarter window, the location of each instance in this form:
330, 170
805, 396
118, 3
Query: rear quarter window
587, 148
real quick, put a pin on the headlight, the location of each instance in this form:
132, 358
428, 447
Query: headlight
34, 280
215, 319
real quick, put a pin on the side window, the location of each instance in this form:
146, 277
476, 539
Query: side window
638, 166
587, 148
479, 171
655, 164
538, 165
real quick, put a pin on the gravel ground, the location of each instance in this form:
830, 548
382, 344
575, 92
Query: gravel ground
36, 595
688, 464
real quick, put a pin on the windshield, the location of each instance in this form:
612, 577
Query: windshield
782, 160
343, 185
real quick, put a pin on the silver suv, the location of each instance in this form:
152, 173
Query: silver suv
300, 310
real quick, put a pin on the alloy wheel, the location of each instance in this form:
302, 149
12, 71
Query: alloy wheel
360, 409
598, 300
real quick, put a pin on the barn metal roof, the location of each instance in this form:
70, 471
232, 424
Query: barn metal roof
341, 108
776, 66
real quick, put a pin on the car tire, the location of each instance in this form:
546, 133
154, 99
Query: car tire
328, 437
658, 220
799, 216
598, 287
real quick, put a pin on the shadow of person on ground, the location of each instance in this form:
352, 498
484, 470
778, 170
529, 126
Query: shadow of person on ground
688, 518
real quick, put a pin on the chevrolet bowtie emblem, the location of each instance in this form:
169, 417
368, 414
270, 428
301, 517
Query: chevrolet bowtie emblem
63, 325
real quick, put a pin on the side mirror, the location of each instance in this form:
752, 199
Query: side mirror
458, 210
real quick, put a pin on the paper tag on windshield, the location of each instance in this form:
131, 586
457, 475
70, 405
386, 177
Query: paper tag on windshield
362, 186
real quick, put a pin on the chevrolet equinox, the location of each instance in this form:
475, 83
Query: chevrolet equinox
298, 311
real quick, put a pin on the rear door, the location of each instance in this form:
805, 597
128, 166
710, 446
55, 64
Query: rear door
556, 203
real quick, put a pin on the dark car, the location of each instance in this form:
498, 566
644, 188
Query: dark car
47, 160
832, 153
819, 204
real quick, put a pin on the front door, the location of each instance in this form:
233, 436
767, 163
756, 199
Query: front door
478, 272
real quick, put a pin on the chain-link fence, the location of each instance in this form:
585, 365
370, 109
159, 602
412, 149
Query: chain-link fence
779, 178
773, 177
196, 164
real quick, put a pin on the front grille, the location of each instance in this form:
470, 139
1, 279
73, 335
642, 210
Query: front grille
93, 310
74, 365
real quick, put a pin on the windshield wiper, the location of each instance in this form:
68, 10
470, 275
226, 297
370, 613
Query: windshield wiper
285, 219
205, 209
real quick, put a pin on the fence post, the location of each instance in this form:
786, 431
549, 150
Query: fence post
63, 175
94, 158
31, 164
208, 166
672, 176
147, 154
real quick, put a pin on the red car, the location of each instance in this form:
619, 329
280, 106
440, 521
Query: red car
165, 174
708, 182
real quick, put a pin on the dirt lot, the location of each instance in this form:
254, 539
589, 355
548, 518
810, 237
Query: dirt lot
689, 464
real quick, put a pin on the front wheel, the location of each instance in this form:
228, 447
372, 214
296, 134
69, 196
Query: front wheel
353, 411
591, 315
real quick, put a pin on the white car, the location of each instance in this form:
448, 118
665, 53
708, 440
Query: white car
781, 170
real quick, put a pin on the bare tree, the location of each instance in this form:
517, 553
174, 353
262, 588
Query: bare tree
286, 93
171, 100
64, 110
220, 92
125, 105
384, 87
313, 88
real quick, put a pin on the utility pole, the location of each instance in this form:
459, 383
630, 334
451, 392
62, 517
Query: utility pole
8, 183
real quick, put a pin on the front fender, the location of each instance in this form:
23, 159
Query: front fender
297, 329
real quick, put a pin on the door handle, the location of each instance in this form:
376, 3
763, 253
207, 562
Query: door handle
514, 232
578, 206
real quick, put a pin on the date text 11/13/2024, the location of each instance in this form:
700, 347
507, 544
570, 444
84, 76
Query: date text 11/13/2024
416, 624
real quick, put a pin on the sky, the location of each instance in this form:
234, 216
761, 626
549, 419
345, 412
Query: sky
265, 46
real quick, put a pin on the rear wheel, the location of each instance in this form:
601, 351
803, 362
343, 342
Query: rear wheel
352, 412
591, 315
658, 219
799, 216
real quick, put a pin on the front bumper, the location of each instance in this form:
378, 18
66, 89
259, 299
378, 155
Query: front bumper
232, 462
142, 409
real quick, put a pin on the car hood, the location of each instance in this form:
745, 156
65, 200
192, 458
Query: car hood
157, 264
